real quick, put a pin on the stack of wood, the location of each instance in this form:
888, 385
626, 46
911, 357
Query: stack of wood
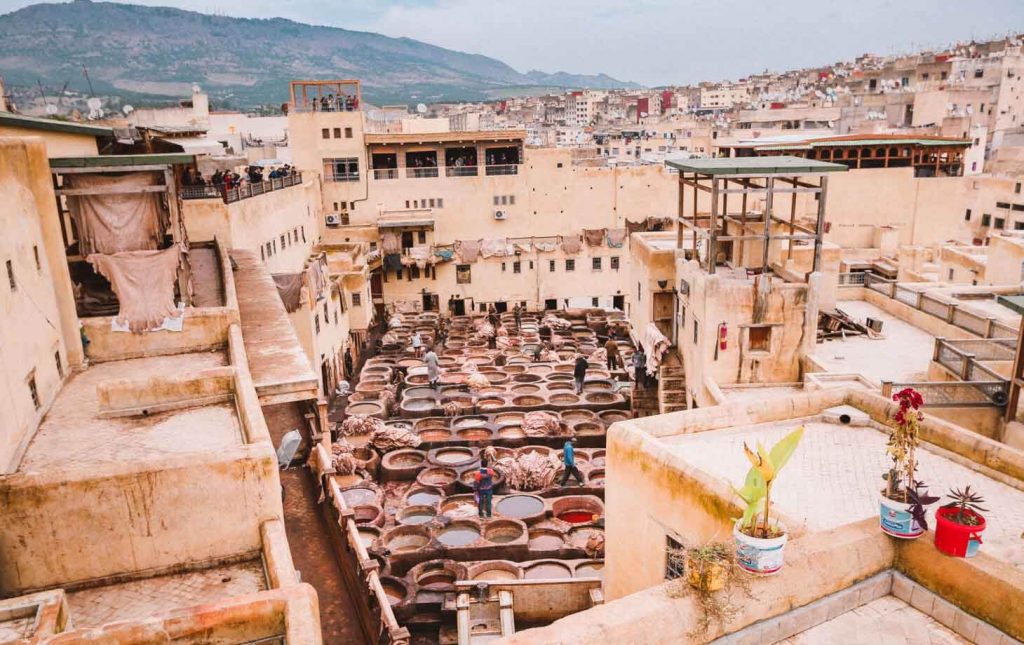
837, 324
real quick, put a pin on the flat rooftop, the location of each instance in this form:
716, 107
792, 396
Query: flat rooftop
72, 435
139, 600
903, 354
835, 475
886, 620
781, 165
278, 364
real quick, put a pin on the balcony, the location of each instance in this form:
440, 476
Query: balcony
245, 191
342, 176
461, 171
502, 169
420, 173
385, 173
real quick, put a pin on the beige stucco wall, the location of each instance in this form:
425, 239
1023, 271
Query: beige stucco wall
648, 265
58, 144
1005, 261
37, 318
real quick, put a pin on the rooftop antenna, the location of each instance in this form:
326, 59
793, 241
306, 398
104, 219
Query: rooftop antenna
60, 97
421, 108
85, 72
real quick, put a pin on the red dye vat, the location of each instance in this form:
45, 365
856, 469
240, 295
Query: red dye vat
577, 517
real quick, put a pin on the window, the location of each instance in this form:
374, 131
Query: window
39, 264
344, 169
337, 133
303, 230
613, 262
1000, 222
327, 313
440, 202
570, 265
414, 272
263, 256
407, 203
503, 267
511, 200
986, 219
967, 216
463, 274
760, 339
348, 133
497, 200
326, 133
33, 391
269, 252
978, 73
284, 242
316, 322
295, 235
1016, 188
675, 566
357, 299
595, 264
950, 278
431, 202
10, 276
551, 265
517, 267
60, 365
1002, 205
695, 331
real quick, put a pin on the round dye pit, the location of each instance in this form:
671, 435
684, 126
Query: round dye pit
403, 459
435, 435
576, 517
438, 579
503, 531
436, 477
459, 509
496, 573
366, 514
364, 407
367, 536
474, 434
596, 477
525, 388
601, 398
547, 570
394, 589
545, 540
406, 538
564, 398
509, 418
511, 432
458, 535
528, 400
590, 570
454, 456
423, 497
520, 506
418, 405
609, 417
359, 496
471, 422
490, 403
413, 515
588, 428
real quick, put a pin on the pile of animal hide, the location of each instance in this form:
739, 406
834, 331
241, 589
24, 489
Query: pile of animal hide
530, 471
554, 322
502, 342
541, 424
452, 409
477, 381
390, 338
485, 330
387, 399
550, 355
395, 321
388, 438
360, 424
599, 356
342, 459
595, 545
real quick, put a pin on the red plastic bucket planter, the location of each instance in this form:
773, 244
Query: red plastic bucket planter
955, 539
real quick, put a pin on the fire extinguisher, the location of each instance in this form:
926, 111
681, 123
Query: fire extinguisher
723, 339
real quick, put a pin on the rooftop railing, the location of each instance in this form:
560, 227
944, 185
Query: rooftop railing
244, 191
502, 169
461, 171
420, 173
385, 173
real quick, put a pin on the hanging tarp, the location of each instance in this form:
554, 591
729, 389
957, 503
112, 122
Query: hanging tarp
144, 284
289, 287
110, 224
594, 236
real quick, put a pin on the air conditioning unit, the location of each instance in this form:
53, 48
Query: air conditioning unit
333, 219
500, 215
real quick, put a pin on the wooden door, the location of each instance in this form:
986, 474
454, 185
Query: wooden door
664, 307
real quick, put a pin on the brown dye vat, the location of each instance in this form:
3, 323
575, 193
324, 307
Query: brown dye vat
496, 378
495, 572
547, 570
559, 377
509, 418
413, 515
453, 456
435, 435
597, 458
406, 458
563, 368
474, 434
359, 496
503, 531
564, 398
436, 477
576, 416
367, 535
601, 397
432, 424
464, 399
459, 508
490, 403
418, 405
588, 428
516, 368
528, 400
520, 506
578, 536
596, 386
367, 514
403, 539
372, 386
560, 386
609, 417
538, 369
453, 377
545, 540
423, 497
410, 362
511, 432
364, 407
470, 422
527, 378
525, 388
417, 379
419, 393
596, 477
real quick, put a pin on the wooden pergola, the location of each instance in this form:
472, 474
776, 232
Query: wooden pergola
761, 177
303, 93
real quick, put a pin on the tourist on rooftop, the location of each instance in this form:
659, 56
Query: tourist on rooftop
186, 177
417, 344
483, 485
433, 371
218, 178
569, 463
612, 349
579, 372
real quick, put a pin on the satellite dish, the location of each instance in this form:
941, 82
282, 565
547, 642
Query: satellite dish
421, 108
94, 103
643, 115
51, 109
196, 89
127, 110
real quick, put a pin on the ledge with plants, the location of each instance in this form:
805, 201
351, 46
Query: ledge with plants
903, 503
958, 524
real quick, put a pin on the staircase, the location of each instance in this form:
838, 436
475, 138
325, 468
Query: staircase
644, 402
672, 389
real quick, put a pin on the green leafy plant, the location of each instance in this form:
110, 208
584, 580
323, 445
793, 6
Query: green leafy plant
711, 574
757, 488
968, 506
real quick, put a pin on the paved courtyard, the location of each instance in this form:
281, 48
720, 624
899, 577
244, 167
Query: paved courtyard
835, 475
887, 620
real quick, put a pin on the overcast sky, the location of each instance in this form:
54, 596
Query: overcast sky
648, 41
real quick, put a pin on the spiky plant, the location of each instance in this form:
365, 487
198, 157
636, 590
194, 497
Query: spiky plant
968, 505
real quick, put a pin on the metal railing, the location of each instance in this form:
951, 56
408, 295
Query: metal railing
502, 169
342, 176
461, 171
964, 359
949, 311
955, 394
855, 278
420, 173
385, 173
244, 191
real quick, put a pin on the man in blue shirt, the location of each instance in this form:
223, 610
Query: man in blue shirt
483, 483
569, 463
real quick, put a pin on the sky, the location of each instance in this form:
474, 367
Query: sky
653, 42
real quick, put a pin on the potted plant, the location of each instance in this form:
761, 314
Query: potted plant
904, 500
958, 525
707, 566
759, 541
713, 580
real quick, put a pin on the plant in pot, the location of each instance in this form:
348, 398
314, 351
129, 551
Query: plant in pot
760, 541
904, 501
958, 525
711, 574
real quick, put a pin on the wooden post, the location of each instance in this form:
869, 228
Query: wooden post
713, 228
820, 226
1016, 379
768, 205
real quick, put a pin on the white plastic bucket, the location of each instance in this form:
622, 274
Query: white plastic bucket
759, 556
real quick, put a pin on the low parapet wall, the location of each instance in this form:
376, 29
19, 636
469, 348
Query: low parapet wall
203, 330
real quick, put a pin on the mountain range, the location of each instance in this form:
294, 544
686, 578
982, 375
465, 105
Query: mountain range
147, 53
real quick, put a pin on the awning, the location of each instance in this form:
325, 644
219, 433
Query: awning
413, 223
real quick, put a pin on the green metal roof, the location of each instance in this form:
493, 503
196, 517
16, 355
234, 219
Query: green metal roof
53, 125
756, 166
911, 141
1015, 303
98, 161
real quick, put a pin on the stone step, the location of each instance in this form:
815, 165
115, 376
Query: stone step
673, 382
667, 409
673, 397
671, 371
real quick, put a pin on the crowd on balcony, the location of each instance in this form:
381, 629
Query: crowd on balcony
331, 103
